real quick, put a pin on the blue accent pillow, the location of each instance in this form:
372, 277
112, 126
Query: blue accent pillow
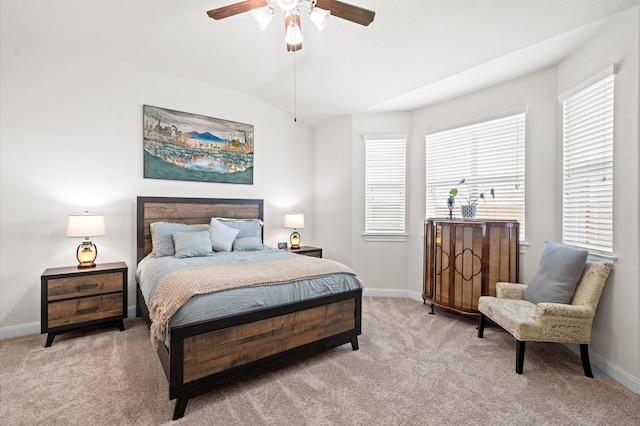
162, 236
561, 268
247, 244
192, 244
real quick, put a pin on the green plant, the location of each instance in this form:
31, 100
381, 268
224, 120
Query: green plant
473, 197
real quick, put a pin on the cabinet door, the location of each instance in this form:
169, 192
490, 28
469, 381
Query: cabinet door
466, 278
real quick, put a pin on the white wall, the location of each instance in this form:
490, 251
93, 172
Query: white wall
71, 139
616, 332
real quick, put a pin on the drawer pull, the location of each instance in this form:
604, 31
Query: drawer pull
87, 310
83, 287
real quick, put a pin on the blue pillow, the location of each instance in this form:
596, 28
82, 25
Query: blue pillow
162, 236
561, 268
247, 227
247, 244
192, 244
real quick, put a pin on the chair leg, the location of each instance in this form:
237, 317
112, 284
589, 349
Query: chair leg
481, 325
586, 365
519, 356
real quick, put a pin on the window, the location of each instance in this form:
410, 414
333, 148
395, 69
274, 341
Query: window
385, 188
587, 165
487, 154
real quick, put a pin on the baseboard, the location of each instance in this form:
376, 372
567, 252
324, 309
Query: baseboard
34, 327
19, 330
381, 292
611, 370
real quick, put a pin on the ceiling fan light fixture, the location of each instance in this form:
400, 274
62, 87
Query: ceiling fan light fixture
292, 24
287, 5
263, 16
319, 17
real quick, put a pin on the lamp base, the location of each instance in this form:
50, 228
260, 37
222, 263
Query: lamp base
86, 255
295, 240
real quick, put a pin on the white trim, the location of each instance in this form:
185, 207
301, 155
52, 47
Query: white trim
611, 370
477, 120
370, 236
388, 137
34, 327
19, 330
610, 70
395, 293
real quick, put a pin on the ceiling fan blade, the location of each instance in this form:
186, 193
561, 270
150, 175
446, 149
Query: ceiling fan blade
346, 11
236, 8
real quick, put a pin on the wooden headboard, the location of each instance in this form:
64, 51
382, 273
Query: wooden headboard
189, 211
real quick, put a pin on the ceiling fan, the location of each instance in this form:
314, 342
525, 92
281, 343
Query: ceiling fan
318, 11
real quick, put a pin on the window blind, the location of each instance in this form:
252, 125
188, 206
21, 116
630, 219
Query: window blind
385, 185
587, 158
488, 154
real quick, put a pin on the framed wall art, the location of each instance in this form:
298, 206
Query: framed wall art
184, 146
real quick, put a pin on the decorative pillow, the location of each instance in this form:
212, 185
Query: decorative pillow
247, 244
162, 236
222, 236
192, 244
247, 227
560, 270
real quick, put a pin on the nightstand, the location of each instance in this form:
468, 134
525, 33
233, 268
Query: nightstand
75, 298
307, 251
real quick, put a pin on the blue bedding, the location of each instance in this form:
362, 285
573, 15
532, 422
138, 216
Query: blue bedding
151, 270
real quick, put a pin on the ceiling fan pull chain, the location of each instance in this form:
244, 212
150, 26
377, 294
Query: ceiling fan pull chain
295, 86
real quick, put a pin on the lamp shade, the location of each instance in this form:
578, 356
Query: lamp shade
263, 16
294, 220
319, 17
85, 225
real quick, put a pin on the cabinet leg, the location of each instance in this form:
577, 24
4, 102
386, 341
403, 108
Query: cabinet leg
50, 338
354, 343
433, 312
180, 408
121, 325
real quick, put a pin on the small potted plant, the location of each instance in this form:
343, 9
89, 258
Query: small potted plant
469, 208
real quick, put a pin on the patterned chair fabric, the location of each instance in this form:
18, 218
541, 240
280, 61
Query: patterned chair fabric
547, 322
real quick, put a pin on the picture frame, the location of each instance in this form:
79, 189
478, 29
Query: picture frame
183, 146
282, 245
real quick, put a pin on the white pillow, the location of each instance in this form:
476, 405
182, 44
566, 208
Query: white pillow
222, 236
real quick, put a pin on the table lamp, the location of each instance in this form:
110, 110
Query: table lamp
86, 225
294, 221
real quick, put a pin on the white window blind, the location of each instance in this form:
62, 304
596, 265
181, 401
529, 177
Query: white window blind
487, 154
385, 171
587, 158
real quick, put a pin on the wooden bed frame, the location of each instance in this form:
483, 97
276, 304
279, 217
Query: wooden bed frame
209, 354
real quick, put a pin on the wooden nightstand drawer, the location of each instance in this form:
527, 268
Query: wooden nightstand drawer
85, 309
66, 288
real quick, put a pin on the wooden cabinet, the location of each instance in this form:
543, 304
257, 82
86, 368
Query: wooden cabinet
307, 251
464, 259
73, 298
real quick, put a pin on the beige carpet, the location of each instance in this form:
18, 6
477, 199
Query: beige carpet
412, 369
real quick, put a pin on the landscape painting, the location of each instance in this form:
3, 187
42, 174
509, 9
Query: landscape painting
183, 146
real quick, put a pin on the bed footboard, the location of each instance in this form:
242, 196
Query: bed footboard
211, 354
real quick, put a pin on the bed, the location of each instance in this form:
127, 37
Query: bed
200, 356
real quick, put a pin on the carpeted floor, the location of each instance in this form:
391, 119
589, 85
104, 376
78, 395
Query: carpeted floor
412, 369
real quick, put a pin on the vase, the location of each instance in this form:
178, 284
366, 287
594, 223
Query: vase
468, 211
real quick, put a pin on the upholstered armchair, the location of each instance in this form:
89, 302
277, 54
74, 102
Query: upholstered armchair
547, 322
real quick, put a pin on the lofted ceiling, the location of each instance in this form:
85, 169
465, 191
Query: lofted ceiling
415, 53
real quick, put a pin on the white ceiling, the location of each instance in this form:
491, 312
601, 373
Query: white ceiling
415, 52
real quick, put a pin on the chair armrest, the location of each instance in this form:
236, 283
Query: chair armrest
562, 310
510, 290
